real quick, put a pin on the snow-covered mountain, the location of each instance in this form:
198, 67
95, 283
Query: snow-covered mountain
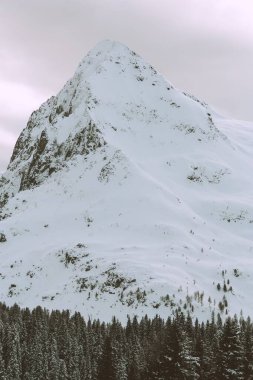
126, 196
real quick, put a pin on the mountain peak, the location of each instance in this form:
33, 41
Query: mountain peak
106, 54
108, 45
105, 49
125, 194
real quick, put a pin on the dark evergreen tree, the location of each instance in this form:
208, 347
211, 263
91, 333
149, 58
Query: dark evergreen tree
246, 337
3, 374
13, 366
63, 373
230, 364
119, 357
54, 361
106, 369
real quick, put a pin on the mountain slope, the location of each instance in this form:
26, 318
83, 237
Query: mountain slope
125, 195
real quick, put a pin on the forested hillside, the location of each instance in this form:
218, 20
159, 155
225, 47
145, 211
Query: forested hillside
39, 345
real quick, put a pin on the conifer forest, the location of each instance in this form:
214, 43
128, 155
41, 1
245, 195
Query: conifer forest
40, 345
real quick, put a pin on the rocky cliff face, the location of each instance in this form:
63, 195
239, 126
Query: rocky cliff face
126, 195
44, 146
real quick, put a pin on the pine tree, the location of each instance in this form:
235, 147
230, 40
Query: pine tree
13, 368
119, 359
105, 369
54, 361
136, 357
63, 374
246, 337
212, 334
170, 359
231, 352
3, 375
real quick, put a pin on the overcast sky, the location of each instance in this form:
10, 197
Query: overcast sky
204, 47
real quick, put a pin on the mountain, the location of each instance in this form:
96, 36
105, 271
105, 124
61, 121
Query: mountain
124, 195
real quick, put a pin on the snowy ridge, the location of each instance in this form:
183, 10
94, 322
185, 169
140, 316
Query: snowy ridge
125, 195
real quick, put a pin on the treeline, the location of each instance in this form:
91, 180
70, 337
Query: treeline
40, 345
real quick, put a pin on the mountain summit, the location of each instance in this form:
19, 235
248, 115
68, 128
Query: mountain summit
124, 194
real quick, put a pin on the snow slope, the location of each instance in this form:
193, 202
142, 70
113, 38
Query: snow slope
125, 196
